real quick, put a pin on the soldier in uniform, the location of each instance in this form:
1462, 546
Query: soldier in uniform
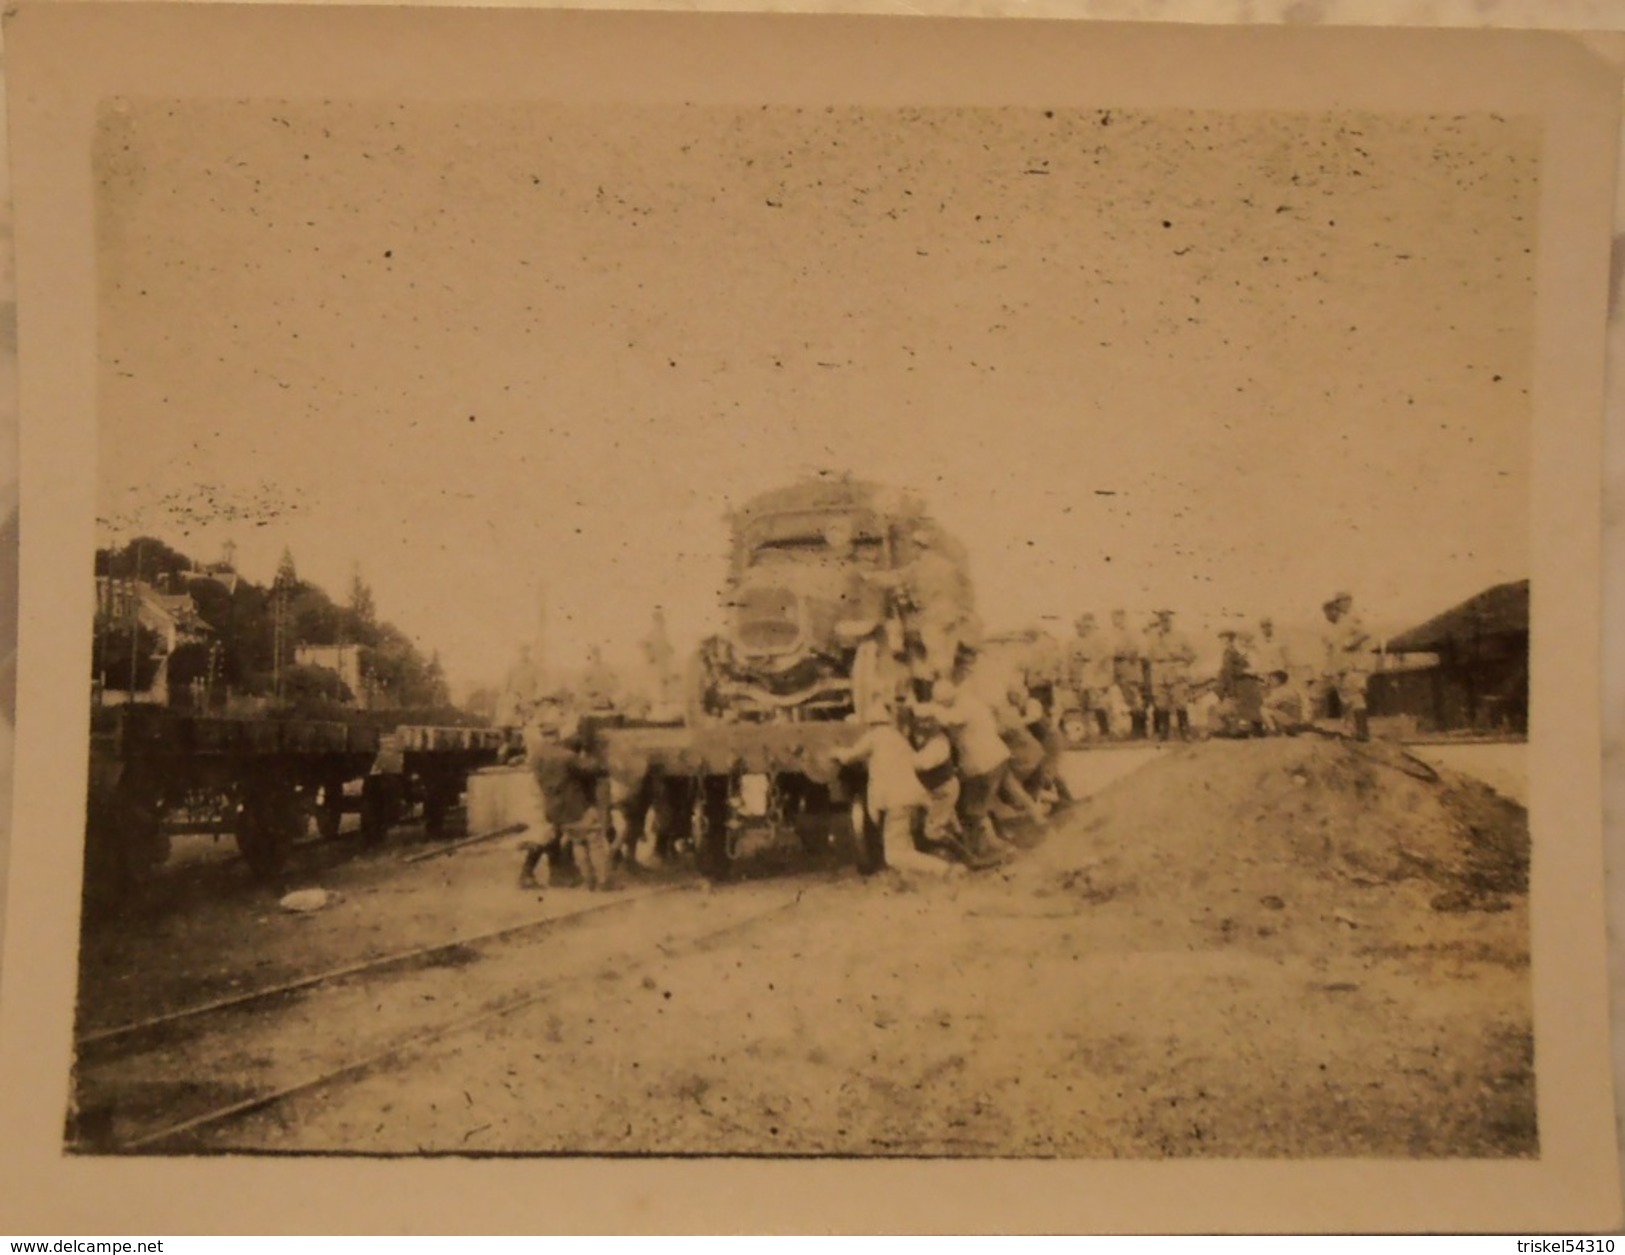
1169, 657
983, 760
1128, 670
896, 801
936, 600
1283, 704
934, 766
566, 774
1348, 661
1089, 674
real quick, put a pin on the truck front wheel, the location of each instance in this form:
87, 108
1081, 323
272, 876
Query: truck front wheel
711, 839
272, 817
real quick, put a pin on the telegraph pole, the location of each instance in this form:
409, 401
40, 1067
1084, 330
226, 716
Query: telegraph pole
135, 618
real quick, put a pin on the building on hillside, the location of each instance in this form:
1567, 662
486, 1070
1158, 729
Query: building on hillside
1465, 670
173, 617
343, 660
176, 631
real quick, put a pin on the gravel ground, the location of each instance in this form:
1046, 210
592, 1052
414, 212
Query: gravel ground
1502, 766
1294, 948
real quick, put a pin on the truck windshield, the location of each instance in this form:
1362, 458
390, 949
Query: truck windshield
866, 551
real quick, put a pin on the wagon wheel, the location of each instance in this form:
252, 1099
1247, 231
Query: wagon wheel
124, 843
711, 834
1074, 729
272, 817
330, 811
808, 810
675, 807
439, 796
380, 808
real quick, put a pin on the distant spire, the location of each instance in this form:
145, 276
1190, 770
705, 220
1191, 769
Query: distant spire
539, 650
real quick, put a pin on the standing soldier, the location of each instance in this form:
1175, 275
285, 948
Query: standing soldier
1044, 671
1230, 682
1128, 670
1089, 673
936, 599
1169, 657
1348, 661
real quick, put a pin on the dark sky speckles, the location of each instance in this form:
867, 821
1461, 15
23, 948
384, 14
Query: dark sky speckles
1251, 358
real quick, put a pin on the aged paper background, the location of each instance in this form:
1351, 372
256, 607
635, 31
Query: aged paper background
1374, 71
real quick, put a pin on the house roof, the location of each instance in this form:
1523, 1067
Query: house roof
1499, 611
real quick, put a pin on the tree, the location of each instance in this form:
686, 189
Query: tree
362, 609
436, 690
287, 574
111, 647
145, 558
314, 689
315, 619
482, 704
258, 628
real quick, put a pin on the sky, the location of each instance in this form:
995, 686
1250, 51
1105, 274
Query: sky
514, 361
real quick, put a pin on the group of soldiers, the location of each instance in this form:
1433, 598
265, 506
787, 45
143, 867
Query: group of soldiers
951, 774
953, 777
1259, 689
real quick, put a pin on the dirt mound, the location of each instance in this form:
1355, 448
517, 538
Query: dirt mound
1362, 813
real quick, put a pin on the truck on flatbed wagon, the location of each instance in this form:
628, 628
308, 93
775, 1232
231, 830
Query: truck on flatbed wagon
155, 772
830, 609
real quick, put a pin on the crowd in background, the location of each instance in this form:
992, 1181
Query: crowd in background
1123, 683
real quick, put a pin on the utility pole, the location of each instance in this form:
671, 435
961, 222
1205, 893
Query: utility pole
278, 637
281, 591
135, 618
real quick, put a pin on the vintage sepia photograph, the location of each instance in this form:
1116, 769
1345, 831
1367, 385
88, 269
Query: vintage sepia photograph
698, 630
807, 624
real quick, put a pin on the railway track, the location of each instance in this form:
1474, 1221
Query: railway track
99, 1039
175, 1083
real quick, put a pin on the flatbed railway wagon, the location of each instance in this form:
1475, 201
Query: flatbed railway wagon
720, 787
155, 772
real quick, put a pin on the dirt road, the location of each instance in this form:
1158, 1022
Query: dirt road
1257, 949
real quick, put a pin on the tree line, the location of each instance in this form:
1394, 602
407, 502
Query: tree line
245, 654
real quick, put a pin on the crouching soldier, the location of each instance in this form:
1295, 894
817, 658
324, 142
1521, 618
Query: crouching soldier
896, 801
938, 776
983, 760
1023, 784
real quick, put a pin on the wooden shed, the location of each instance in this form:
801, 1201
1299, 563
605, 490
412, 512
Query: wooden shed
1478, 680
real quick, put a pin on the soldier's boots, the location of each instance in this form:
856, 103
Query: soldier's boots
987, 843
1184, 724
1362, 726
1159, 724
533, 857
1137, 725
906, 859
